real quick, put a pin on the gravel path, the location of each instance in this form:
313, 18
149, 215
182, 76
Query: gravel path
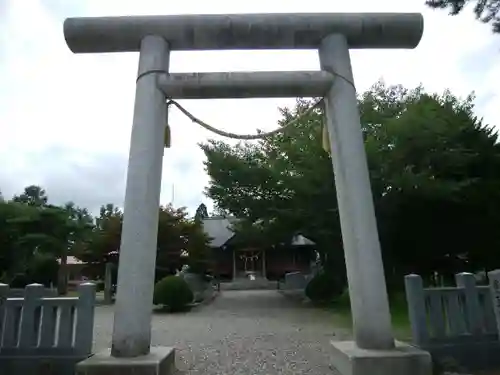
242, 332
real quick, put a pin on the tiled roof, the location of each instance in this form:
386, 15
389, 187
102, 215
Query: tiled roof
218, 229
300, 240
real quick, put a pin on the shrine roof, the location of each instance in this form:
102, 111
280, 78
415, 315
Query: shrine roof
219, 229
220, 232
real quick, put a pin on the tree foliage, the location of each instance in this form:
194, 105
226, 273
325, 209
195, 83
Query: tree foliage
487, 11
33, 195
435, 175
35, 234
178, 235
201, 212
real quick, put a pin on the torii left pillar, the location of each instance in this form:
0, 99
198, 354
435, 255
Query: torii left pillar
131, 350
136, 271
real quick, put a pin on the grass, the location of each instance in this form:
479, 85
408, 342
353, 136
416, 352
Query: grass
400, 322
71, 293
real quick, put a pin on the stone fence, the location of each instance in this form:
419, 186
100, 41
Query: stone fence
294, 285
454, 322
294, 281
45, 335
202, 289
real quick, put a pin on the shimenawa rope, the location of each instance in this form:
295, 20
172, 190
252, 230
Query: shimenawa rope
246, 137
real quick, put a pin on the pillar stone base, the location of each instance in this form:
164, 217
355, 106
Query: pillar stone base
404, 359
160, 361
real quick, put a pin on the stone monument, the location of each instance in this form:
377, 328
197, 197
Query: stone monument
373, 350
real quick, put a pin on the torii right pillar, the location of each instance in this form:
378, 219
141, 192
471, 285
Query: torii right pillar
373, 351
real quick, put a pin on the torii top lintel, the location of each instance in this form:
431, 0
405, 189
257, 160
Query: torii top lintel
244, 31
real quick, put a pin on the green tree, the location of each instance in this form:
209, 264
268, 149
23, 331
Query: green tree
34, 235
178, 234
486, 11
32, 231
77, 231
199, 256
49, 231
13, 257
431, 159
99, 241
33, 195
38, 229
201, 212
43, 269
173, 232
434, 174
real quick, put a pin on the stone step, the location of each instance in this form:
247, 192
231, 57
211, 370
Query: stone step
247, 284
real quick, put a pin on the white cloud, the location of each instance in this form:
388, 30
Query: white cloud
66, 119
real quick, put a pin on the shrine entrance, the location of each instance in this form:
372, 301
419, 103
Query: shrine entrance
249, 263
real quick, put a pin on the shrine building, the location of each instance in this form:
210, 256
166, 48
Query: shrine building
235, 258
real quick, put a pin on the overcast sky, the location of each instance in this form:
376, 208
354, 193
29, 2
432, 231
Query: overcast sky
66, 119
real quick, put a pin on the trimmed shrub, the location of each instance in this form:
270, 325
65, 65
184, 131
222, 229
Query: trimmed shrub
43, 269
173, 292
324, 287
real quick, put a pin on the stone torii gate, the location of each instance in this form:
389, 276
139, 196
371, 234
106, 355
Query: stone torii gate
373, 350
